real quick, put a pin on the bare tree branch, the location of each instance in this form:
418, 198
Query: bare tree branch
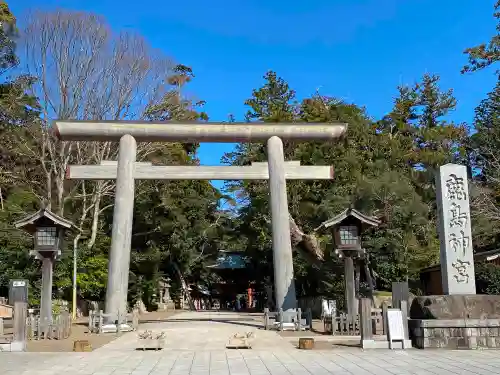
86, 72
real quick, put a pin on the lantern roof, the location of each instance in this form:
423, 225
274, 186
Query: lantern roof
44, 217
347, 214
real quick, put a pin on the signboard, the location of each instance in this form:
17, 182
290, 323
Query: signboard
18, 291
395, 331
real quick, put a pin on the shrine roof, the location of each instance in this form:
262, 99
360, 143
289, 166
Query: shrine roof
230, 260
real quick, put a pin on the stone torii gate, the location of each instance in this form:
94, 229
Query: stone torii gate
127, 170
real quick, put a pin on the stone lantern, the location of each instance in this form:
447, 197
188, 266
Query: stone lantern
164, 290
347, 229
48, 231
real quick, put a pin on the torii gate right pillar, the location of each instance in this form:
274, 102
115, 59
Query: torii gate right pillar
284, 283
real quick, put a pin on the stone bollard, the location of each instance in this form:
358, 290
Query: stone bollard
266, 318
135, 319
20, 323
365, 317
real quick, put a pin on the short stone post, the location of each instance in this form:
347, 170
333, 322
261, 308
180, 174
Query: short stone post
32, 331
281, 319
266, 318
135, 319
400, 292
100, 321
298, 325
20, 319
365, 318
404, 314
333, 316
91, 324
385, 328
118, 323
309, 318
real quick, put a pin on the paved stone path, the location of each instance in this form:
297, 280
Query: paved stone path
203, 354
205, 331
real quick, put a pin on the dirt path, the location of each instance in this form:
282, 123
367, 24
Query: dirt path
79, 331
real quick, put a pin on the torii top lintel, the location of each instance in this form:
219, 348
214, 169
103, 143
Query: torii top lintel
173, 131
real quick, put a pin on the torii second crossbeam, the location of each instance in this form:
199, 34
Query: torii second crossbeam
145, 171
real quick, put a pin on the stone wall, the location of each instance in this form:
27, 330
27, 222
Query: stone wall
455, 333
470, 306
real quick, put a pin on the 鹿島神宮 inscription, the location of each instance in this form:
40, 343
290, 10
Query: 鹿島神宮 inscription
461, 267
457, 264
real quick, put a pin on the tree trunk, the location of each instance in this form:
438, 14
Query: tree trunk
307, 242
95, 219
184, 286
369, 279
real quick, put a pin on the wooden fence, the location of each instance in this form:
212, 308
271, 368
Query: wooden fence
344, 325
58, 329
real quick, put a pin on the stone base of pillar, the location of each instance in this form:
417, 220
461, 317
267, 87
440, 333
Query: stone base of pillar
111, 328
368, 344
384, 344
15, 346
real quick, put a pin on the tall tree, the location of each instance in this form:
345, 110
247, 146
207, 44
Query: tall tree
485, 54
485, 154
17, 111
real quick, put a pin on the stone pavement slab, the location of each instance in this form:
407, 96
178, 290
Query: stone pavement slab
253, 362
195, 346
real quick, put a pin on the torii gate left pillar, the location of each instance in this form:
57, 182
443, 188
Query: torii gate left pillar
129, 132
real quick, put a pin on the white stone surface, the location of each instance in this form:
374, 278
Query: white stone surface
255, 362
193, 347
204, 330
457, 262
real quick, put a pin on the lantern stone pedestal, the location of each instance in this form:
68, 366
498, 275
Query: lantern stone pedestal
352, 302
48, 259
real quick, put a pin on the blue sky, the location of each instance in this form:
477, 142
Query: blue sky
358, 50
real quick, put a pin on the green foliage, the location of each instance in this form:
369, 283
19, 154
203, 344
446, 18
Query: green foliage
487, 278
15, 261
383, 168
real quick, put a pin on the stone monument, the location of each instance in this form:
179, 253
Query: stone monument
460, 319
457, 261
